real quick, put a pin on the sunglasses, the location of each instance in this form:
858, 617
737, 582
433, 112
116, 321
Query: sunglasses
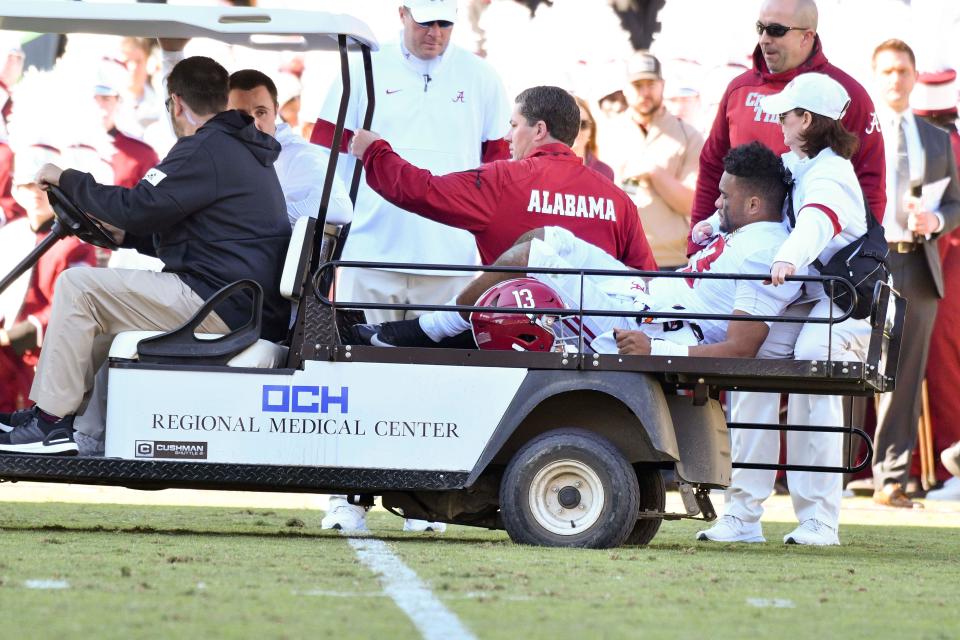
443, 24
783, 116
776, 30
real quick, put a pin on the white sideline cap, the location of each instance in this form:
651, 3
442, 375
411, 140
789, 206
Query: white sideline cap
111, 78
430, 10
31, 158
813, 92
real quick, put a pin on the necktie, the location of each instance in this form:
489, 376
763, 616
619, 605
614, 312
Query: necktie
903, 172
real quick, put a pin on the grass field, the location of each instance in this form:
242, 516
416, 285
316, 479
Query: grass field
132, 571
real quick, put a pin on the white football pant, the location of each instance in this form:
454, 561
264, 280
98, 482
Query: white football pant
814, 495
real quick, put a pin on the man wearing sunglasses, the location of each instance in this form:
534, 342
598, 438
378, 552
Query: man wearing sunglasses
788, 45
443, 109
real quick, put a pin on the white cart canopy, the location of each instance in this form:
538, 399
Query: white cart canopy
251, 27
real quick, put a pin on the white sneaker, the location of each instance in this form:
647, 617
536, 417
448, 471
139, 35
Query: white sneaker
424, 525
344, 516
813, 532
950, 457
949, 491
733, 529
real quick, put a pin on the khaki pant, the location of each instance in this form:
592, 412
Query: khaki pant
91, 306
395, 287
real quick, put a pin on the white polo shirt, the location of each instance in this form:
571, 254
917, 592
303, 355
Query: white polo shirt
435, 114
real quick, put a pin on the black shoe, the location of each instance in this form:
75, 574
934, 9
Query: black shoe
39, 436
10, 421
405, 333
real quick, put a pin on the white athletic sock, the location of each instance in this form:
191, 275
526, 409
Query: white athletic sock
443, 324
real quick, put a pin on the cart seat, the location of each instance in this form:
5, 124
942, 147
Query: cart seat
262, 354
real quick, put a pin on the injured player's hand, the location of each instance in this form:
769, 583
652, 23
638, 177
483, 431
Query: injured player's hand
632, 343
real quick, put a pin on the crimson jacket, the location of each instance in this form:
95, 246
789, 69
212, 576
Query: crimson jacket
500, 201
132, 159
38, 300
16, 370
740, 120
11, 208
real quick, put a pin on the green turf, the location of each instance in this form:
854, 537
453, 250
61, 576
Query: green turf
203, 572
137, 572
893, 582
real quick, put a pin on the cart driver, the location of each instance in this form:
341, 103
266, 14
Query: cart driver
752, 191
213, 211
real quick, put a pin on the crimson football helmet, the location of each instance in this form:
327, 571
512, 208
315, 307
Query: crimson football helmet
517, 331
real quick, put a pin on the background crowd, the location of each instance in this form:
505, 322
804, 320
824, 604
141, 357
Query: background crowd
96, 103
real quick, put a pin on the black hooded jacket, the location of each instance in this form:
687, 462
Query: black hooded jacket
213, 211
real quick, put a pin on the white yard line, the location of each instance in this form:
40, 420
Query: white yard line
775, 603
401, 583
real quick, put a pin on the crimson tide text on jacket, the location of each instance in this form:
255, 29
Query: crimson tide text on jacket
740, 120
213, 212
499, 201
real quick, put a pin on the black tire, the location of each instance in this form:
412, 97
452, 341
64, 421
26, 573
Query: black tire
606, 509
653, 497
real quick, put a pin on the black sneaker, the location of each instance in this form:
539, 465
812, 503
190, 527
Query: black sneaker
38, 436
405, 333
10, 421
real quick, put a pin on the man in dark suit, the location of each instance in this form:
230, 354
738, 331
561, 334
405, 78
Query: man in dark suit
918, 156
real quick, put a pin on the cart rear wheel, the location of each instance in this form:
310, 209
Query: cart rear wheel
653, 497
569, 488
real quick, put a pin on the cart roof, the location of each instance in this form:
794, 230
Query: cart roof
251, 27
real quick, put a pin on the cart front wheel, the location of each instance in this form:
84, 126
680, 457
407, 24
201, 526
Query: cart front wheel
569, 488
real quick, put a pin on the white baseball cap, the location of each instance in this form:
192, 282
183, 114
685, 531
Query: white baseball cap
30, 159
813, 92
430, 10
111, 77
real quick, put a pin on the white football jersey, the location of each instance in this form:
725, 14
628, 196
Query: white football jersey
748, 250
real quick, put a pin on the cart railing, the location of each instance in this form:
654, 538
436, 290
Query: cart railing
320, 277
886, 319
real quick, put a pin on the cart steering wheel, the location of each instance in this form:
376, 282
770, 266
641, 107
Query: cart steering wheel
77, 223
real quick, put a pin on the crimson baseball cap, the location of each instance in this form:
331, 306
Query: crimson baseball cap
813, 92
430, 10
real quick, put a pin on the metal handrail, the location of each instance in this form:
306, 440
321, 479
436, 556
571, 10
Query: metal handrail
848, 468
319, 278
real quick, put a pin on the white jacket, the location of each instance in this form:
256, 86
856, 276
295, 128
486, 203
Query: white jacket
828, 205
